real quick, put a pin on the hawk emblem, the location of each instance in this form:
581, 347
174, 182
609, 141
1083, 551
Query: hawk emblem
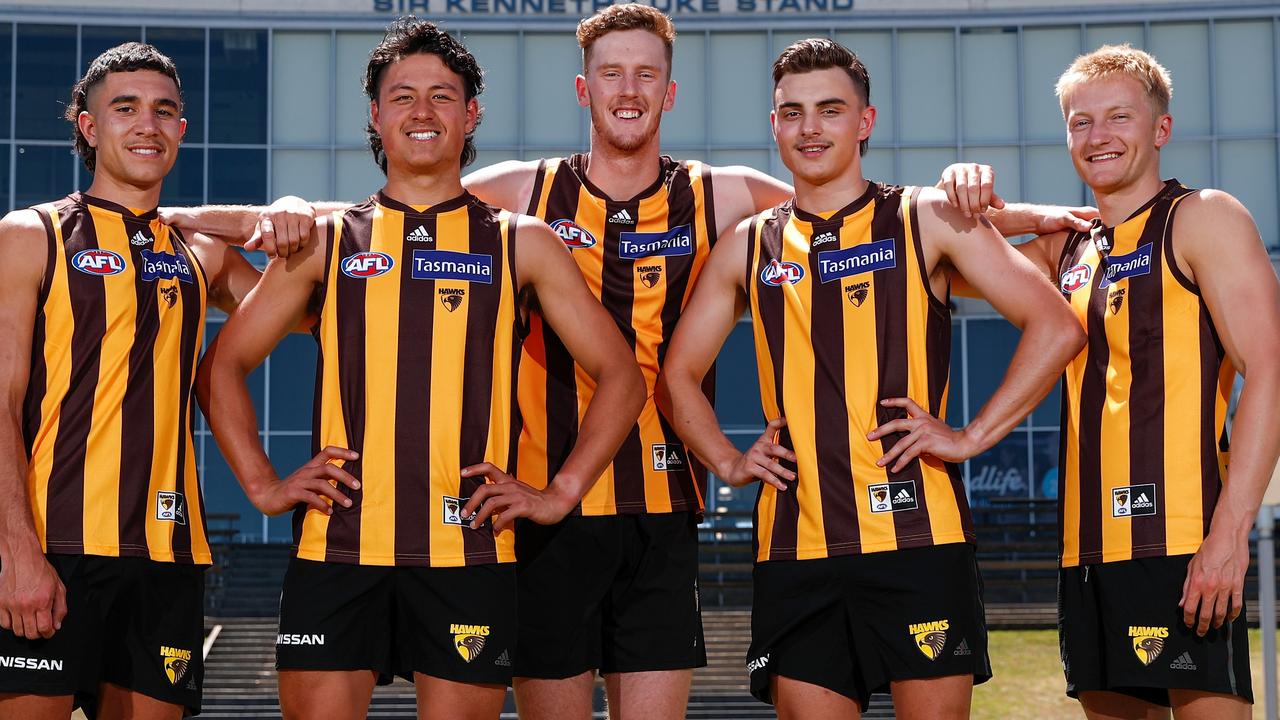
468, 646
931, 643
1148, 648
170, 295
1116, 300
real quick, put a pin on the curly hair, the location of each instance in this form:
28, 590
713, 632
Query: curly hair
823, 54
129, 57
626, 16
413, 36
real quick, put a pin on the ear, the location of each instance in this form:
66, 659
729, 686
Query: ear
868, 123
580, 87
773, 125
373, 116
88, 127
473, 114
1164, 130
182, 130
669, 101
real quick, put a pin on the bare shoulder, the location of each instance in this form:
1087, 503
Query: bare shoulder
507, 184
1212, 218
24, 241
21, 226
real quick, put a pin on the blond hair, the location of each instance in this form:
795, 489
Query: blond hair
1111, 61
628, 16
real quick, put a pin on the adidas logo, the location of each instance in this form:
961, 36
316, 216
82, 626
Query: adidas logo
622, 217
825, 237
963, 648
902, 496
419, 234
503, 660
139, 239
1184, 662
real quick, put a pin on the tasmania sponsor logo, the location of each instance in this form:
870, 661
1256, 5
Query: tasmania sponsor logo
1121, 267
1075, 278
300, 639
636, 245
450, 265
365, 265
469, 640
930, 637
781, 273
1133, 500
865, 258
1148, 641
165, 266
98, 262
29, 663
171, 507
575, 237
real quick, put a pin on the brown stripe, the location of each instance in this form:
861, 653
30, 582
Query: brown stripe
88, 307
831, 416
617, 294
768, 246
1144, 295
192, 322
357, 236
1093, 396
38, 377
1066, 259
562, 385
682, 204
413, 521
137, 409
478, 376
520, 331
539, 178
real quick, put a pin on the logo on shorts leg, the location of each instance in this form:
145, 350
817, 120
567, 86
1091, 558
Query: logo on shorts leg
469, 640
1148, 642
171, 507
759, 663
893, 496
1183, 662
668, 458
453, 511
176, 663
930, 637
1133, 500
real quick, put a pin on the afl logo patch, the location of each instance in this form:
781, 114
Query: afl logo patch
573, 235
98, 262
366, 265
781, 273
1076, 278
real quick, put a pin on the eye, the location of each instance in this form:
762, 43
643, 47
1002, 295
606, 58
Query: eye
401, 98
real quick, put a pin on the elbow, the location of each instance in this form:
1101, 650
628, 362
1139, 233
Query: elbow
635, 389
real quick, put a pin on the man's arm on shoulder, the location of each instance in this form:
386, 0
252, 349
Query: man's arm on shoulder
32, 598
739, 191
1051, 335
1217, 245
508, 184
279, 229
719, 299
275, 305
230, 275
971, 188
544, 266
1042, 251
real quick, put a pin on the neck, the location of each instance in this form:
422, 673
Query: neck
622, 175
830, 194
429, 187
1116, 205
122, 193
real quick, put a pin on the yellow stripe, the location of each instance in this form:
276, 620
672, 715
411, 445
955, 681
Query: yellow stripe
381, 357
448, 358
1069, 490
600, 499
166, 358
59, 325
646, 322
768, 499
532, 398
192, 490
313, 543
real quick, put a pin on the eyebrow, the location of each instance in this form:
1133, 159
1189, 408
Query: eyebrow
166, 102
820, 103
409, 86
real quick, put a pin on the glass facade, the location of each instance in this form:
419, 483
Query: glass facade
275, 109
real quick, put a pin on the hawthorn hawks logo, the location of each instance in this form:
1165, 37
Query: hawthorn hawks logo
857, 293
176, 663
649, 274
452, 298
1116, 300
930, 637
1148, 642
170, 295
469, 640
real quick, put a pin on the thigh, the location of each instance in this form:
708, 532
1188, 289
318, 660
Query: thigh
564, 572
658, 695
440, 699
653, 617
456, 623
800, 629
1107, 705
799, 700
560, 699
326, 694
156, 629
68, 663
336, 617
918, 614
36, 707
118, 703
937, 698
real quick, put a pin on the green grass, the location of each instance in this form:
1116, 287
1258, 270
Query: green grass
1028, 679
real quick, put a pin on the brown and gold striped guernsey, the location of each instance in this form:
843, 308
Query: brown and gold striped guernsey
419, 338
108, 411
1145, 402
640, 257
844, 317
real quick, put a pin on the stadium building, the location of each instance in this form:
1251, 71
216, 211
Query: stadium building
275, 107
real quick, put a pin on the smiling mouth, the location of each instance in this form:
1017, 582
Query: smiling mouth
145, 151
1103, 157
812, 150
424, 136
627, 114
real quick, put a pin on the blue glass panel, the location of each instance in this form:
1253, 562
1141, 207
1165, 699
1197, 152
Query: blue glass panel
185, 46
955, 393
293, 366
185, 182
6, 78
256, 380
737, 383
222, 494
238, 176
1044, 449
238, 86
4, 177
288, 453
96, 40
43, 173
1000, 472
46, 72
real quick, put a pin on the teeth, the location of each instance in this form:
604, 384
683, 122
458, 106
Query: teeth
628, 114
1106, 156
144, 151
428, 135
